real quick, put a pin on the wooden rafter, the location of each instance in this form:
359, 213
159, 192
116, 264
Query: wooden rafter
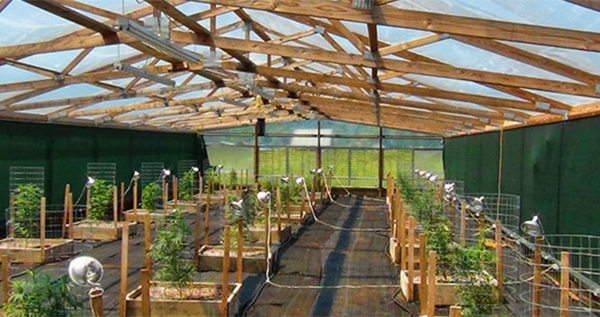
4, 4
590, 4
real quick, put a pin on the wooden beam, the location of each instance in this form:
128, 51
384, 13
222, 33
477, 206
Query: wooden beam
89, 8
31, 68
348, 35
76, 61
589, 4
24, 96
4, 4
394, 124
422, 41
428, 21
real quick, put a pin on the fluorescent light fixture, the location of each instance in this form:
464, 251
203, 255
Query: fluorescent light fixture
148, 38
363, 4
143, 74
540, 105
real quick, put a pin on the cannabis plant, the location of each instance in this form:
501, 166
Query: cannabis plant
150, 196
186, 186
100, 199
233, 179
440, 239
39, 296
211, 181
27, 207
168, 251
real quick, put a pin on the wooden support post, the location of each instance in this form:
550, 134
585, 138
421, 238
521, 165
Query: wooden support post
225, 280
12, 216
564, 284
43, 228
122, 201
175, 191
200, 188
165, 198
207, 220
145, 280
411, 258
256, 155
115, 206
313, 189
124, 269
537, 277
240, 252
423, 272
381, 163
65, 210
96, 305
278, 202
5, 278
267, 231
455, 311
302, 206
481, 223
147, 242
463, 224
197, 228
88, 194
70, 231
393, 218
135, 199
431, 276
402, 240
499, 259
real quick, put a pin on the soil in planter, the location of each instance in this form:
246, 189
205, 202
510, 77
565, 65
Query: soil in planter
233, 253
186, 293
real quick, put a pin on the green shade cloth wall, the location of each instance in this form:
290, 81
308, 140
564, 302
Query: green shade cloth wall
64, 152
554, 168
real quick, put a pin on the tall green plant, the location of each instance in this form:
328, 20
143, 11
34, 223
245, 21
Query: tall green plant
100, 199
150, 196
39, 296
186, 186
211, 178
233, 178
27, 207
168, 251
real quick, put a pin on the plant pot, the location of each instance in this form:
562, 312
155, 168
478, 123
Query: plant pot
158, 215
101, 230
29, 250
257, 233
445, 292
211, 259
184, 307
186, 207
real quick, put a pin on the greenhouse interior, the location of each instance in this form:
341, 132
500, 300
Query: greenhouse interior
300, 158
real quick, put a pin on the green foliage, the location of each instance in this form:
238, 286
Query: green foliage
27, 208
212, 179
290, 193
440, 239
150, 196
39, 296
233, 179
168, 251
100, 199
186, 186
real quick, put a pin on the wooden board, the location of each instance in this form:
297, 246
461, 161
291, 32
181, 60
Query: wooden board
29, 251
254, 259
154, 216
257, 233
103, 230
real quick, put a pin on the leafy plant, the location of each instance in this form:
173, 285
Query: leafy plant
186, 186
440, 239
168, 250
233, 178
100, 199
40, 296
27, 206
211, 180
150, 196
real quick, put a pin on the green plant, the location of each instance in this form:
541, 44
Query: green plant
440, 239
150, 196
211, 178
168, 251
233, 178
40, 296
186, 186
100, 199
27, 206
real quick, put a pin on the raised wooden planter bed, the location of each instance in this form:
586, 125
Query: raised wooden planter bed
257, 233
186, 207
395, 252
215, 199
141, 215
211, 259
101, 230
29, 250
206, 303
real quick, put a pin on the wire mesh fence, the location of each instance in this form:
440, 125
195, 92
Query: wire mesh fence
23, 175
183, 166
560, 273
105, 171
151, 172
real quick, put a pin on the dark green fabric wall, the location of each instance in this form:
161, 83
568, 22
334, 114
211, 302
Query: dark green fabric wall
554, 168
64, 152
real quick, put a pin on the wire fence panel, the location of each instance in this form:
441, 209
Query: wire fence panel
103, 170
183, 166
151, 172
26, 175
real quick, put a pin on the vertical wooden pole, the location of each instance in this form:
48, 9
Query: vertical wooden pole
313, 189
537, 277
240, 252
135, 199
225, 277
463, 224
455, 311
565, 262
88, 193
12, 216
278, 202
115, 206
165, 197
402, 240
70, 231
411, 258
393, 218
197, 228
65, 210
256, 155
43, 228
481, 223
175, 191
5, 278
423, 272
96, 304
147, 242
145, 280
124, 269
381, 163
499, 259
122, 201
200, 187
432, 264
207, 220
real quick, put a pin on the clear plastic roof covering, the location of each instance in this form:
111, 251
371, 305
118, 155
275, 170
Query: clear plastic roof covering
433, 66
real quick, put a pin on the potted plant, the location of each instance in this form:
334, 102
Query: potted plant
173, 290
39, 296
97, 226
27, 230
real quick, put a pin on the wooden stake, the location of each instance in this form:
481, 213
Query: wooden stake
463, 224
423, 272
207, 220
537, 277
135, 197
278, 202
481, 223
115, 206
65, 210
12, 216
43, 228
200, 187
197, 228
225, 281
145, 280
5, 278
88, 194
124, 269
240, 252
122, 201
392, 219
402, 240
147, 242
175, 191
499, 260
411, 258
564, 284
455, 311
96, 305
432, 264
70, 231
165, 196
